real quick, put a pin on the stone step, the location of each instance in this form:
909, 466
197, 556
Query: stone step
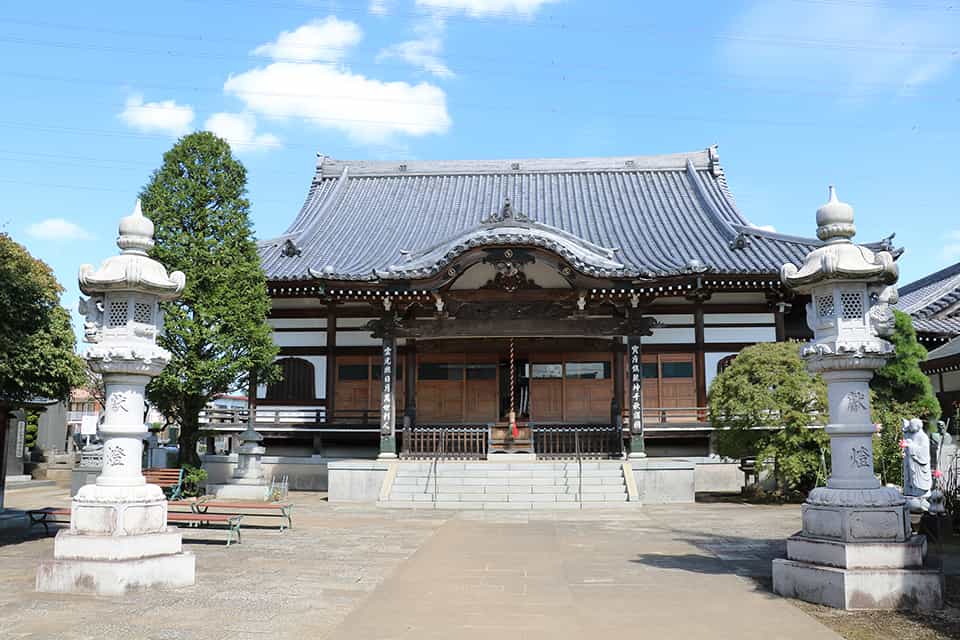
507, 482
572, 487
510, 506
610, 496
547, 473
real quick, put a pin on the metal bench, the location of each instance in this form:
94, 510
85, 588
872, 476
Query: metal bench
170, 480
282, 510
61, 515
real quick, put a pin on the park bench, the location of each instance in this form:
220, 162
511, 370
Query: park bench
282, 510
170, 480
61, 515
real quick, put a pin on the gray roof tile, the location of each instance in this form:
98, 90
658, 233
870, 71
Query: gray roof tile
659, 212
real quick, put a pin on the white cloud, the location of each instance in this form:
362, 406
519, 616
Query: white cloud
57, 229
326, 96
423, 52
848, 48
325, 39
157, 117
951, 250
240, 130
478, 8
765, 227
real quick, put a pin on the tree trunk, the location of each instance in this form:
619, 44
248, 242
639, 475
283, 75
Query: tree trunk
190, 433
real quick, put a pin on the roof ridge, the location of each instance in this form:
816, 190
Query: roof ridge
328, 167
726, 229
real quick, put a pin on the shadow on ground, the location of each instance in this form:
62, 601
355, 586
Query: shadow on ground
751, 558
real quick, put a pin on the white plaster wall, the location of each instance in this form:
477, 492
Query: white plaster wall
738, 318
935, 381
300, 338
357, 339
352, 323
298, 323
674, 318
710, 361
739, 334
294, 303
670, 336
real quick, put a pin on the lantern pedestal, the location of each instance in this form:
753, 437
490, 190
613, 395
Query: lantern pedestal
118, 540
856, 549
248, 481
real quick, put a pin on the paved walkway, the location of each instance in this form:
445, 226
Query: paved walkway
693, 571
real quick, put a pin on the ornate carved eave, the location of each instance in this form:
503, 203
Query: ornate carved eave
512, 229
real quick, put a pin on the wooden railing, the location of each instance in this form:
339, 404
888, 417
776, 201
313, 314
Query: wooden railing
291, 416
453, 442
567, 441
674, 414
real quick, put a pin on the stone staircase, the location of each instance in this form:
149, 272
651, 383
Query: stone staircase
507, 485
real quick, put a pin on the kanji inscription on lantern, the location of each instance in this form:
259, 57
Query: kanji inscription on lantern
386, 397
860, 457
856, 402
636, 385
118, 401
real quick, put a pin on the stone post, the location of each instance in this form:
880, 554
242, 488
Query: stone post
118, 538
856, 549
248, 481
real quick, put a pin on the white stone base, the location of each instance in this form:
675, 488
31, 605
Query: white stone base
859, 588
116, 577
69, 545
239, 491
865, 555
888, 523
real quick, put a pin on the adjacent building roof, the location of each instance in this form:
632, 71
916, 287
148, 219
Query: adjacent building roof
934, 302
638, 216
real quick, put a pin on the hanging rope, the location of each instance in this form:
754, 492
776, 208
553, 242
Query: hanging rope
513, 392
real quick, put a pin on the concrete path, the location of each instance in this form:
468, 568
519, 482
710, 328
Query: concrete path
586, 576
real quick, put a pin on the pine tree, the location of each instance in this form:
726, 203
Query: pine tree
899, 390
217, 331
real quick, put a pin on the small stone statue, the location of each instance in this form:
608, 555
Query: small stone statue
917, 476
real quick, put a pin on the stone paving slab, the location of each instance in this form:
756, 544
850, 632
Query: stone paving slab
358, 572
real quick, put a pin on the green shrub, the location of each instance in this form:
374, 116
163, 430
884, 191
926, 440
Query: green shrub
193, 478
762, 406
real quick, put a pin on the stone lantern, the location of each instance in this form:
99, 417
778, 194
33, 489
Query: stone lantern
856, 549
118, 538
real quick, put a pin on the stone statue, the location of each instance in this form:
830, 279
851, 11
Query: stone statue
92, 310
917, 475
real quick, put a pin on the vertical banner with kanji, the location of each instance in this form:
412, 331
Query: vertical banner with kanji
635, 367
387, 395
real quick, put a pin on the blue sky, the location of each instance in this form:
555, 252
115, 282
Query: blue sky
798, 94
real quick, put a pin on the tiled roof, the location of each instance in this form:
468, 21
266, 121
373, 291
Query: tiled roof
371, 220
934, 302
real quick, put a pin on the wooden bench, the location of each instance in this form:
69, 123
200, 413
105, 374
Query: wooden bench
61, 515
282, 510
171, 479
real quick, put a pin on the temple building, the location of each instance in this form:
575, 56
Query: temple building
934, 304
551, 307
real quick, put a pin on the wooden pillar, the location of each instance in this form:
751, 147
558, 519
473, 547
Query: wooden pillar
635, 368
330, 402
388, 396
778, 318
699, 370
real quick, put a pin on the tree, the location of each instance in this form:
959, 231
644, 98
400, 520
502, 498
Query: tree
900, 389
37, 342
768, 385
217, 331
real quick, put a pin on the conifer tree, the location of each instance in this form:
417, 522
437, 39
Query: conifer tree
900, 389
217, 331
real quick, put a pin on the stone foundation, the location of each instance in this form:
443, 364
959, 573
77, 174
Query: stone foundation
859, 588
116, 577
